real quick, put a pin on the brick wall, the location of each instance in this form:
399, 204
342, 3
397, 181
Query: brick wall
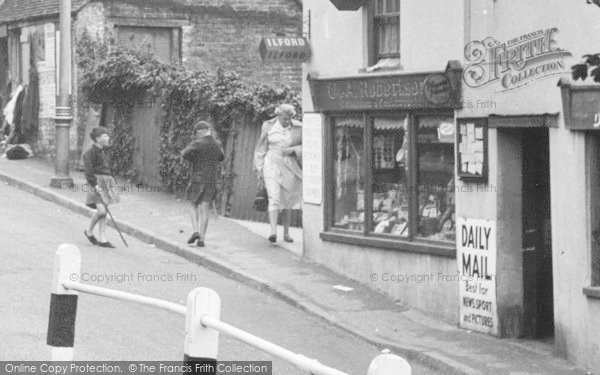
226, 33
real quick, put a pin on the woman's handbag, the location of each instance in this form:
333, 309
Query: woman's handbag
261, 201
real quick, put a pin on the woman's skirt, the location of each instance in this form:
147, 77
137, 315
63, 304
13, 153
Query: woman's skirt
283, 181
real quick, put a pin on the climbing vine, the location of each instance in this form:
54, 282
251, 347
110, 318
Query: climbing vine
123, 77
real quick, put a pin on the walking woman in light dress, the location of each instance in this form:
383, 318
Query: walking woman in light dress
277, 162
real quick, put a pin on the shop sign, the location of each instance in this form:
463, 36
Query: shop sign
347, 4
276, 49
581, 106
387, 92
47, 74
476, 256
516, 62
312, 158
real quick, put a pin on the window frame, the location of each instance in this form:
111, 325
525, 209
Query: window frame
411, 243
373, 37
174, 25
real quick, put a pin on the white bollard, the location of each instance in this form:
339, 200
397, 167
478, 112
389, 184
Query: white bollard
389, 364
63, 303
201, 343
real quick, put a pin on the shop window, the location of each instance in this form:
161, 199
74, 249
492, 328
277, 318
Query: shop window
385, 34
435, 149
348, 174
390, 182
381, 196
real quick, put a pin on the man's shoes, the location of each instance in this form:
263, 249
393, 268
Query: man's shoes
287, 238
195, 236
200, 243
106, 244
91, 238
273, 238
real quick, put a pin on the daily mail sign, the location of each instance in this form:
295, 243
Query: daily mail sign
284, 49
476, 256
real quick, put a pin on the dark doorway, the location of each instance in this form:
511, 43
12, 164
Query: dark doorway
537, 244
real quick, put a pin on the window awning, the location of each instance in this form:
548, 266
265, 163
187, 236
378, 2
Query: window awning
379, 123
348, 4
276, 49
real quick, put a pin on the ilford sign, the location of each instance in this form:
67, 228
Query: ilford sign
276, 49
389, 92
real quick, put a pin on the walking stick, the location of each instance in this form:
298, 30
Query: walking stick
114, 222
214, 206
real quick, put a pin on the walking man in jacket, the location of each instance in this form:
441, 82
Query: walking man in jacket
204, 153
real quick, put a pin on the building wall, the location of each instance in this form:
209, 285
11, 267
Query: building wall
417, 280
431, 33
226, 33
577, 317
339, 48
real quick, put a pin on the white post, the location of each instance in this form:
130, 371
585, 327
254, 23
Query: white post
389, 364
201, 343
63, 303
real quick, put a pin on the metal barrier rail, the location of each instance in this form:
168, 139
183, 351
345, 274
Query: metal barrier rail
312, 366
202, 323
116, 294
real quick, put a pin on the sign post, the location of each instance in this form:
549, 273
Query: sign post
64, 112
312, 158
476, 256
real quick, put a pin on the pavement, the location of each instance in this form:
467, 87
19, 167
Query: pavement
241, 252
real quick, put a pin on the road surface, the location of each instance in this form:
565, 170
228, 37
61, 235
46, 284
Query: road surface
32, 229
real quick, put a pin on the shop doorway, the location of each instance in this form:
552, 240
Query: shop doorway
537, 245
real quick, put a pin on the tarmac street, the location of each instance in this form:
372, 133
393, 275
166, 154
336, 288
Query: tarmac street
108, 329
327, 316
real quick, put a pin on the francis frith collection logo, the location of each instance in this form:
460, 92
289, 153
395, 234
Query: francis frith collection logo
516, 62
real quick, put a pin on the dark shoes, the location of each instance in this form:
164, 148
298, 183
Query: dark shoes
195, 236
95, 241
91, 238
286, 238
200, 243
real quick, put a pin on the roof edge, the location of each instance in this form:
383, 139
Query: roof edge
42, 16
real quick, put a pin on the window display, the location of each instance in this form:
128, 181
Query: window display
390, 195
402, 203
435, 163
348, 169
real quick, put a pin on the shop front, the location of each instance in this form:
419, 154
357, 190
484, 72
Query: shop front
388, 210
505, 227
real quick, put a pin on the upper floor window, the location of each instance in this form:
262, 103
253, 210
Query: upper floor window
385, 34
387, 28
162, 42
